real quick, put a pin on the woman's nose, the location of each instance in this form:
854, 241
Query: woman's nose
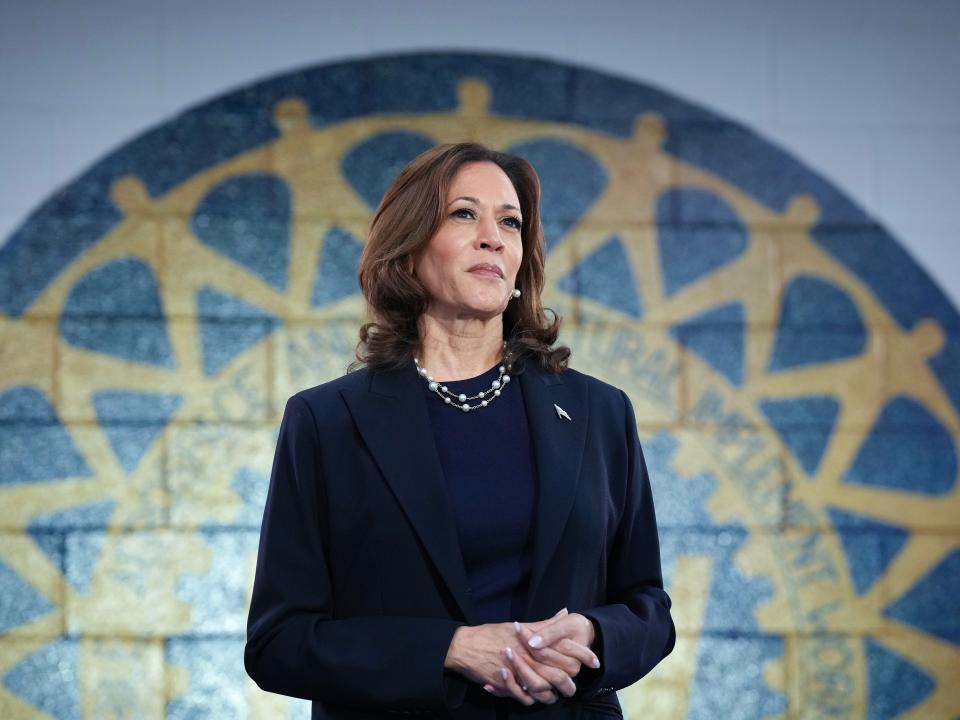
488, 234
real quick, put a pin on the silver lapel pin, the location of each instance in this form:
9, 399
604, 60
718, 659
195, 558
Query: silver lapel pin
561, 412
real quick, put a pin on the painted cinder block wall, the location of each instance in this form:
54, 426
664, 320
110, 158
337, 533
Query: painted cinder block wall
736, 472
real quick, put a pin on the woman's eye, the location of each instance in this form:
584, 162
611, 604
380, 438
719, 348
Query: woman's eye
514, 223
458, 211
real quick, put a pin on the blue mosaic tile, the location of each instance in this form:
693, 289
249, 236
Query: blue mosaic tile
83, 551
818, 323
125, 287
869, 546
571, 181
733, 596
717, 337
251, 486
946, 366
339, 265
222, 340
805, 424
553, 232
49, 529
199, 139
130, 444
427, 82
218, 596
680, 501
25, 403
373, 163
19, 601
688, 253
49, 679
719, 692
612, 104
42, 247
798, 347
133, 406
141, 341
809, 300
902, 286
132, 421
605, 276
933, 604
697, 206
217, 685
332, 92
115, 309
735, 153
888, 269
38, 449
894, 684
247, 219
907, 449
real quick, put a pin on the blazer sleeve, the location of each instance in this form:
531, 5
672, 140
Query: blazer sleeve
634, 630
296, 645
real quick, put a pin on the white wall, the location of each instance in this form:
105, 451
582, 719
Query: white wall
864, 91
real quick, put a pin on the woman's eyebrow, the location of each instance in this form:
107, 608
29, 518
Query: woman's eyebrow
475, 201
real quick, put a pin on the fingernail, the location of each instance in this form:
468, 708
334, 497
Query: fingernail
503, 673
561, 611
488, 688
536, 641
509, 653
516, 626
596, 662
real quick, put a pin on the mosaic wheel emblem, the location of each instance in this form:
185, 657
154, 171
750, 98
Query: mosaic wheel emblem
794, 373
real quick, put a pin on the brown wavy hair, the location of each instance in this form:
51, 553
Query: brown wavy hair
408, 216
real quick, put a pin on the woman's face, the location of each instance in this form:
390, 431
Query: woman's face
470, 264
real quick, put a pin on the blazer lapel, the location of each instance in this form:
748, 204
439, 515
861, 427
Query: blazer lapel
558, 444
393, 420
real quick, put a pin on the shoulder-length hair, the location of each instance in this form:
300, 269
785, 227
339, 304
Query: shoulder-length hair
408, 216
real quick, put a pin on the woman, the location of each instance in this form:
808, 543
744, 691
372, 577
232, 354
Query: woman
464, 527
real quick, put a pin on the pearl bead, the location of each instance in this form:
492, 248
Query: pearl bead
432, 386
506, 379
461, 397
465, 407
483, 403
502, 369
443, 387
481, 394
423, 372
429, 378
495, 384
447, 400
497, 393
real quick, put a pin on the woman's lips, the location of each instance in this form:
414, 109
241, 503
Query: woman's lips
487, 271
484, 272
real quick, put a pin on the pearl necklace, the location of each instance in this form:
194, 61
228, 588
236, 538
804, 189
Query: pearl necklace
461, 401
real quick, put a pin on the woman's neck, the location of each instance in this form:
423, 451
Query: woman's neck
456, 348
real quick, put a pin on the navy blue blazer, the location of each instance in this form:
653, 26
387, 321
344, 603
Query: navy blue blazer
360, 582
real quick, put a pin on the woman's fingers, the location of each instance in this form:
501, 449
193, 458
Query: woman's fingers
540, 680
513, 688
565, 646
571, 648
574, 626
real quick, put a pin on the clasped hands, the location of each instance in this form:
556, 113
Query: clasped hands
530, 662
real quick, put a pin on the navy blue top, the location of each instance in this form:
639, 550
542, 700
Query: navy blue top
488, 464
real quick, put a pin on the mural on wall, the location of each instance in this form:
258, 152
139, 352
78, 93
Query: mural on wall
796, 379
